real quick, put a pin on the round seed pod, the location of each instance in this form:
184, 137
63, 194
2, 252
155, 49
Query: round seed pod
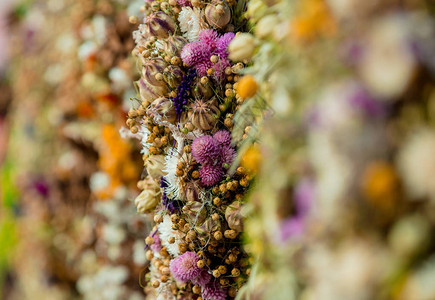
208, 227
149, 87
159, 25
203, 114
234, 217
173, 45
173, 75
218, 14
202, 89
164, 108
195, 212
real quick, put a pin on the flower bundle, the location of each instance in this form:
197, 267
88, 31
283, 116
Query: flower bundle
193, 186
344, 202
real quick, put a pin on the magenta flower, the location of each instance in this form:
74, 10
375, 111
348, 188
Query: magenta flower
209, 38
212, 152
184, 268
198, 53
193, 53
202, 279
213, 291
205, 150
222, 44
228, 154
210, 174
223, 137
183, 3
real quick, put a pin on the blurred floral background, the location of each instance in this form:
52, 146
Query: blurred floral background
330, 188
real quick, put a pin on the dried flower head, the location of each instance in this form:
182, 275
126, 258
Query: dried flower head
184, 268
210, 174
191, 22
223, 137
213, 291
203, 114
205, 150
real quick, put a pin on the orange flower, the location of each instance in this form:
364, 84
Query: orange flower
247, 87
314, 19
115, 160
251, 159
380, 182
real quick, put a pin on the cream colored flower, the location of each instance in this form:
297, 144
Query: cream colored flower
191, 22
150, 196
242, 47
154, 165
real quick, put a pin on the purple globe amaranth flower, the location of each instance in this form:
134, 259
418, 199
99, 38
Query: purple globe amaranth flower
223, 137
202, 279
205, 150
228, 154
223, 42
198, 53
184, 268
219, 69
210, 175
203, 66
194, 53
213, 291
291, 227
183, 3
209, 37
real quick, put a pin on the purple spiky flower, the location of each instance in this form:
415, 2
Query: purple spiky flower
210, 175
205, 150
198, 53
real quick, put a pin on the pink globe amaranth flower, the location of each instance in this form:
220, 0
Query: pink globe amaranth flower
184, 268
223, 137
219, 68
228, 154
205, 150
198, 53
194, 53
209, 37
213, 291
202, 67
222, 44
183, 3
202, 279
210, 175
157, 246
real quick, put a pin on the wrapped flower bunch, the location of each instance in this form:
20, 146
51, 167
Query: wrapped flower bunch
193, 186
